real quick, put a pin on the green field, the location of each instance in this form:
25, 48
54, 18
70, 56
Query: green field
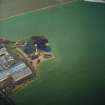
76, 32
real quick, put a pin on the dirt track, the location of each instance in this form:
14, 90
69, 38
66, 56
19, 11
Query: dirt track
14, 7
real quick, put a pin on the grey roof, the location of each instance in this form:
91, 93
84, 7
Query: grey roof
4, 75
20, 71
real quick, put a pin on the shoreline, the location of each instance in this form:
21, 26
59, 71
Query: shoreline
25, 65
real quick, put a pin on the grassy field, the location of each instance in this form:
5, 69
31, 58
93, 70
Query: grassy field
76, 32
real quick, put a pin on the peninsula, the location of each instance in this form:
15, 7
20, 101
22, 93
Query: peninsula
19, 61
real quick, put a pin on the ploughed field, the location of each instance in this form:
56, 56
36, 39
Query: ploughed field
16, 7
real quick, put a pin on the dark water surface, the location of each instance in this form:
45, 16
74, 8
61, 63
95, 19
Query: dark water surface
76, 32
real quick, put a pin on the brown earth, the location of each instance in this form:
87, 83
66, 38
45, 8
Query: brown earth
14, 7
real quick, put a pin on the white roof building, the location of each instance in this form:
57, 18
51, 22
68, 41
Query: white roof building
4, 75
6, 60
8, 68
3, 51
20, 71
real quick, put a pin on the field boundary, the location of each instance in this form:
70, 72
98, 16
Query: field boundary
36, 10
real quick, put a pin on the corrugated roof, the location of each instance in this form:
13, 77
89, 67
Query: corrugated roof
19, 71
3, 75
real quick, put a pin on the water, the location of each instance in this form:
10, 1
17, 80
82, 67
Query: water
76, 33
